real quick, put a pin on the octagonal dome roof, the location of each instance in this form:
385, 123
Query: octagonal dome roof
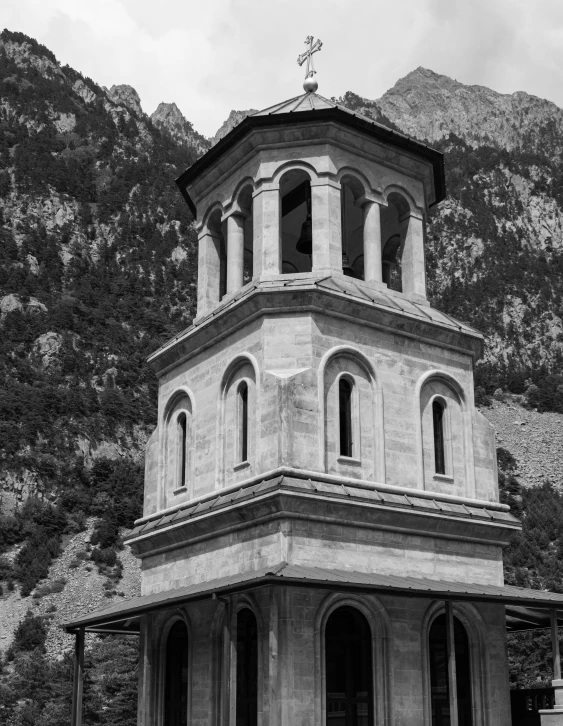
313, 108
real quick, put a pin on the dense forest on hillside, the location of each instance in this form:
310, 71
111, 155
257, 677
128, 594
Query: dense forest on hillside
97, 269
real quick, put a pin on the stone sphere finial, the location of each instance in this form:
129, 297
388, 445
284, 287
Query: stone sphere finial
310, 85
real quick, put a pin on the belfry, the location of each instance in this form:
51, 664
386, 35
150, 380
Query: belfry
321, 540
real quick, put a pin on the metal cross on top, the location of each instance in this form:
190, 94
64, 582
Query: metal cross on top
310, 85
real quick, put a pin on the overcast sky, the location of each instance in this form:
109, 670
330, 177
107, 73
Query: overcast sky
212, 56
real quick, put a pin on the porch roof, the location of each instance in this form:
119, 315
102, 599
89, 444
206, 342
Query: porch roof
526, 609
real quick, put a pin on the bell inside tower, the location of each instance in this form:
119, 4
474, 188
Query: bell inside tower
391, 242
352, 191
296, 222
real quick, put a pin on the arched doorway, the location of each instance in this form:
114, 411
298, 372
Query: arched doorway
439, 685
348, 668
176, 676
247, 669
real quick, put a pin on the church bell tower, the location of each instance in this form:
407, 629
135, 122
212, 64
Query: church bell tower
318, 452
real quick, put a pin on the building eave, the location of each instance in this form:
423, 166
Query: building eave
336, 114
520, 602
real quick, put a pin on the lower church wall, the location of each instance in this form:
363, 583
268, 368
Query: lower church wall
291, 669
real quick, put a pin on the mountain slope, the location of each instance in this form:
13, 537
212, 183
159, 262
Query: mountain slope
169, 118
431, 106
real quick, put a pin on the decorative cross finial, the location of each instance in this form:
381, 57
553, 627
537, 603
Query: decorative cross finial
310, 85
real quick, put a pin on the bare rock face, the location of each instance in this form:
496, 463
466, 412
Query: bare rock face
47, 347
126, 96
170, 119
429, 106
235, 117
12, 302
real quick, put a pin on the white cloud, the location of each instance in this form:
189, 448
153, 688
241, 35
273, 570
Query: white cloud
210, 57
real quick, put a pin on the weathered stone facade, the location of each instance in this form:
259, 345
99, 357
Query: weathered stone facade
246, 471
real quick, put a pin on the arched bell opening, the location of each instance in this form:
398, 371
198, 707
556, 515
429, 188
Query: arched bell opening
296, 222
391, 263
352, 190
246, 205
218, 230
392, 241
349, 676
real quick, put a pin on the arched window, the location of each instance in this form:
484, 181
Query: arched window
243, 421
348, 662
182, 445
247, 669
176, 676
438, 422
345, 416
439, 682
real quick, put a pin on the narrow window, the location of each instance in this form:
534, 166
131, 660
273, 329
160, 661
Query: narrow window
182, 445
247, 669
243, 421
345, 414
349, 697
438, 421
176, 677
439, 683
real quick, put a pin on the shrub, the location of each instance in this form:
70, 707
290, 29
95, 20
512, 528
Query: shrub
105, 556
30, 635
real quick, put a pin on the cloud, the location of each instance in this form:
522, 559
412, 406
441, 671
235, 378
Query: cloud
210, 57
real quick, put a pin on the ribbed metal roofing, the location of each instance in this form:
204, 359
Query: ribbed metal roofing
312, 108
350, 492
121, 615
343, 286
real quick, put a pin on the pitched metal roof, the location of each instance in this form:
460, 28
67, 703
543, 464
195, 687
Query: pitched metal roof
312, 108
341, 286
520, 601
350, 492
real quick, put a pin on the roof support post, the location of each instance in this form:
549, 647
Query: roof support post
557, 682
232, 709
555, 646
78, 680
452, 675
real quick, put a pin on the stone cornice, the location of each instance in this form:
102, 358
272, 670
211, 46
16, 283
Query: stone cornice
293, 497
338, 296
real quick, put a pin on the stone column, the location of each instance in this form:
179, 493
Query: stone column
327, 227
266, 215
235, 252
208, 272
372, 242
413, 266
144, 701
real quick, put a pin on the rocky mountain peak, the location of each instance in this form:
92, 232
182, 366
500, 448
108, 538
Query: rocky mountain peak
235, 117
127, 96
430, 106
170, 119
